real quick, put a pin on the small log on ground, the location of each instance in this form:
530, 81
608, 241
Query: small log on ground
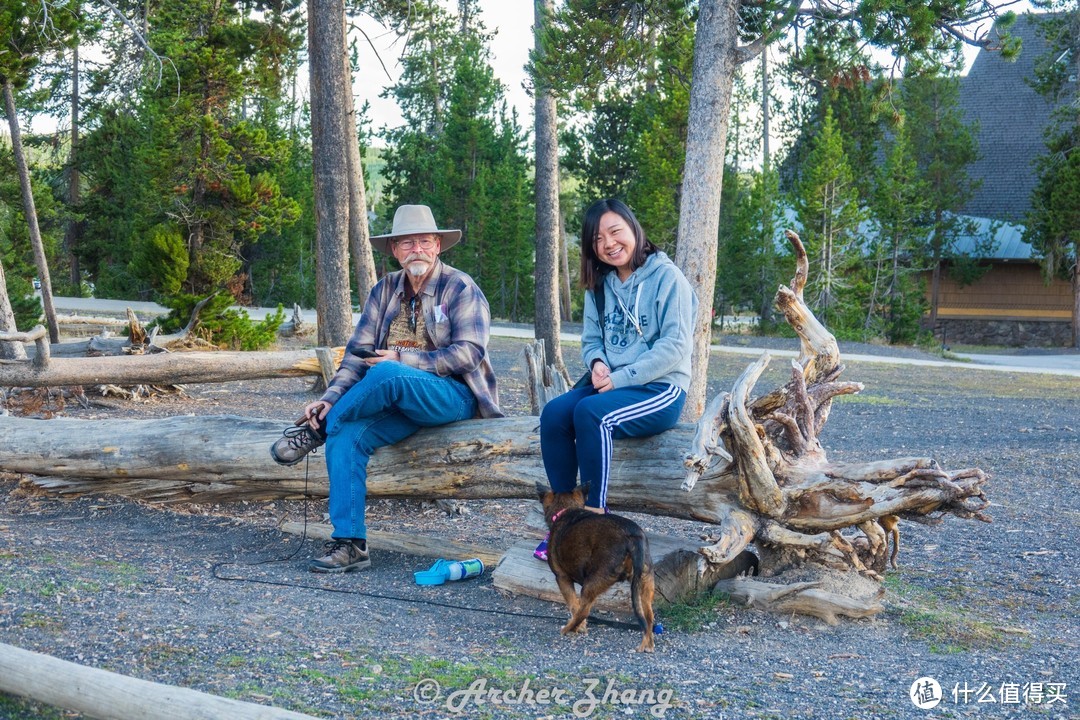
676, 566
110, 696
803, 598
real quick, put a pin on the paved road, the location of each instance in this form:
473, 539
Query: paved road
1057, 363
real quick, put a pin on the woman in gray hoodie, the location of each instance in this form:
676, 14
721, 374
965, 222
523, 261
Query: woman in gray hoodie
638, 353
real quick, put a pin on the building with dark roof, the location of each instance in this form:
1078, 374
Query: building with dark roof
1011, 304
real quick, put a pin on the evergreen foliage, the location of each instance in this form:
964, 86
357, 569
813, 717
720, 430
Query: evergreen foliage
203, 150
16, 254
221, 324
462, 154
750, 264
893, 289
632, 143
827, 206
1053, 224
944, 146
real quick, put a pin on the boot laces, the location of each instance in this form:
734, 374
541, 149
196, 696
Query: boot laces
302, 437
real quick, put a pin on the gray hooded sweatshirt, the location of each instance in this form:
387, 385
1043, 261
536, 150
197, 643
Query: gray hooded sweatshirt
648, 325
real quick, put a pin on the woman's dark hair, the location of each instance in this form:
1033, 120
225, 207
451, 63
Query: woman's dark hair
593, 268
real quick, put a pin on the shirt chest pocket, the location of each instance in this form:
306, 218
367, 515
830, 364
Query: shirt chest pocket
439, 327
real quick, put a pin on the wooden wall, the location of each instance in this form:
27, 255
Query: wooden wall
1009, 291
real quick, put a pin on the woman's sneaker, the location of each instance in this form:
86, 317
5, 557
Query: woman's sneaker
341, 556
541, 551
295, 443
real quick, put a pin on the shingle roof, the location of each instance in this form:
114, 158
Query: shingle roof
1012, 117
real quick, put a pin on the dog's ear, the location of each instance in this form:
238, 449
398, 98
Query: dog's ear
584, 492
541, 490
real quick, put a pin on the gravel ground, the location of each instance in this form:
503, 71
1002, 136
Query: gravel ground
988, 610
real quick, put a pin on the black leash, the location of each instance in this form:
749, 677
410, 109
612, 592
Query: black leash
215, 571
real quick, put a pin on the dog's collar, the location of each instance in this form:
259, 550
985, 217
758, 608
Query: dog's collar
556, 515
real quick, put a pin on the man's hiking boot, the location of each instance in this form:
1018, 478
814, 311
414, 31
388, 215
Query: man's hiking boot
341, 555
295, 443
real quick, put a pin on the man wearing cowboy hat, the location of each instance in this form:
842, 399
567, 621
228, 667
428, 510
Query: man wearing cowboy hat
418, 358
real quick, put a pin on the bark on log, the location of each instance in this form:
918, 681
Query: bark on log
110, 696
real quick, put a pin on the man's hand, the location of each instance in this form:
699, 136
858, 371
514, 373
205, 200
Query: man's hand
601, 377
316, 413
383, 356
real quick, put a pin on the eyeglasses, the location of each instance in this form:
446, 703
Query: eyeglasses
424, 243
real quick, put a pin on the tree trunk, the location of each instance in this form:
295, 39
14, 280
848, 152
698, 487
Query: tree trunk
567, 301
8, 350
73, 228
31, 212
715, 50
359, 246
326, 42
548, 325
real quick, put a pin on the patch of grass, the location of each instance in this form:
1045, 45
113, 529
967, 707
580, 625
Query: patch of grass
696, 613
936, 618
48, 589
13, 707
42, 621
233, 661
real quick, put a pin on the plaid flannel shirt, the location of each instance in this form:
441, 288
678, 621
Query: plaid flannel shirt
458, 321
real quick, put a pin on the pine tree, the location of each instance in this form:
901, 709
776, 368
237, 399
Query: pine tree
1053, 225
943, 146
827, 206
900, 205
202, 150
465, 157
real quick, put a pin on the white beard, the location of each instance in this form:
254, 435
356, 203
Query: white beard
417, 268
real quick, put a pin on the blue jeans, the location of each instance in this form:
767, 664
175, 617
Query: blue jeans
390, 403
577, 429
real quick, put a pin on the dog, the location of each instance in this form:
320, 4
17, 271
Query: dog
596, 551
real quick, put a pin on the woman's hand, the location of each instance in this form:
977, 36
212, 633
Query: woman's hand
601, 377
316, 413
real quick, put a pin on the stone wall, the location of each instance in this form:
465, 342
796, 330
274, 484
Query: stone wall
1005, 333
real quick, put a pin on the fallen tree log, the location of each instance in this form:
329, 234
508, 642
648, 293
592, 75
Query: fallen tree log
137, 340
159, 368
111, 696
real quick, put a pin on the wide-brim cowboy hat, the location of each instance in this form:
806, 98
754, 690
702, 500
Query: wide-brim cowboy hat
414, 220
